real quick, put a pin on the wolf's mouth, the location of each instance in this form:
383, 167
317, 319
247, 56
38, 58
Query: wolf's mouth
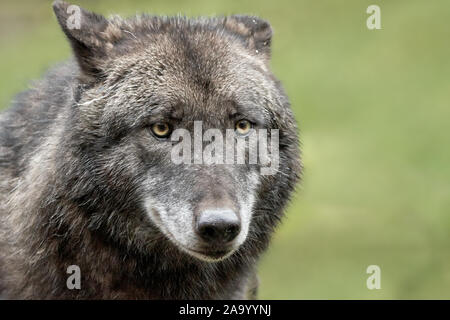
212, 255
206, 255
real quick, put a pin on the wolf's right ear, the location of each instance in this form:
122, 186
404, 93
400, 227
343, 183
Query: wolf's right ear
89, 34
256, 32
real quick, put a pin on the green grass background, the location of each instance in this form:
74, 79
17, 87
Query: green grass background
374, 115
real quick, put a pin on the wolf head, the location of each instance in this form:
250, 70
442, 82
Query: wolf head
142, 79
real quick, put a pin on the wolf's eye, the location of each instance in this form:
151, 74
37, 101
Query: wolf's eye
243, 126
161, 129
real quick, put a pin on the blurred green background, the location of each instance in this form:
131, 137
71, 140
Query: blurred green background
374, 114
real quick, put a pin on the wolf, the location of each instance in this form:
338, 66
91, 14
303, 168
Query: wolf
86, 177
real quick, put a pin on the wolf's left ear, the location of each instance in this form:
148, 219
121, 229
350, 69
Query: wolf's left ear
255, 31
89, 34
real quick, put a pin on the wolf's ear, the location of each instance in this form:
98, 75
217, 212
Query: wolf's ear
255, 31
89, 34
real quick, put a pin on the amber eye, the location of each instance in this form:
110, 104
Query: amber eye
161, 129
243, 127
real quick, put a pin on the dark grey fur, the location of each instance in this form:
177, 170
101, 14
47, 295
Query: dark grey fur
77, 159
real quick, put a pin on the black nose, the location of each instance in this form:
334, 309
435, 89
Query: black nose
218, 226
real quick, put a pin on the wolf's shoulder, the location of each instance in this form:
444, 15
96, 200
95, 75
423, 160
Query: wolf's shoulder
25, 124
